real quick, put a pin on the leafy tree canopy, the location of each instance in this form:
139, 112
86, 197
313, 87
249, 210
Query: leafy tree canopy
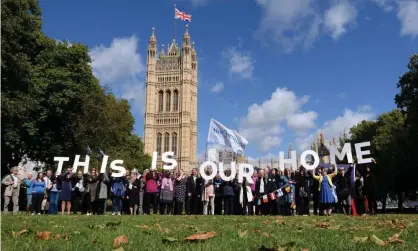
52, 105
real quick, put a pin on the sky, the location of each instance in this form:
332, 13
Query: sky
278, 71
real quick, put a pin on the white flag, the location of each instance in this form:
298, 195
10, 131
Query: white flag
219, 134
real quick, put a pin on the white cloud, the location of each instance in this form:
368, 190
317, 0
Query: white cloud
289, 23
218, 87
386, 5
338, 17
333, 128
295, 24
69, 44
408, 15
120, 66
118, 60
240, 63
302, 121
263, 123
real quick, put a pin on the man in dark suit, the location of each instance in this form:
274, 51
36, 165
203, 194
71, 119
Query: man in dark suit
193, 191
261, 189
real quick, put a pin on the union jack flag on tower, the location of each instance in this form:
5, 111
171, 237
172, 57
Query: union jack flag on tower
182, 15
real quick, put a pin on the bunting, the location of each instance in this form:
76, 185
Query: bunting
265, 199
276, 194
258, 202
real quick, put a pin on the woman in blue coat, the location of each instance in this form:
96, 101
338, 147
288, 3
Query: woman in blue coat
38, 193
326, 197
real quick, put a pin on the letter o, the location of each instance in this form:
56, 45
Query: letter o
202, 170
303, 159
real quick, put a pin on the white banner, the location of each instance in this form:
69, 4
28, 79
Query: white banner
219, 134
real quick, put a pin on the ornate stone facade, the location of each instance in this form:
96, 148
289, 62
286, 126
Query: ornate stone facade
321, 142
171, 101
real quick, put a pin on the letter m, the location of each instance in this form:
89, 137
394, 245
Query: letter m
345, 151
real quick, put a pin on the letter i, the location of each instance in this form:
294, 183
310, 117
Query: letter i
154, 161
104, 164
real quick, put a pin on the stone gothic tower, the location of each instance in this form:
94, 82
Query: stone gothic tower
171, 101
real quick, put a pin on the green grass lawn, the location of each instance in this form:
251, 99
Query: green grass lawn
232, 232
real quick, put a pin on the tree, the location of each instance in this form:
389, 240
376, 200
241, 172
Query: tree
386, 136
52, 105
407, 101
21, 42
132, 152
388, 143
62, 81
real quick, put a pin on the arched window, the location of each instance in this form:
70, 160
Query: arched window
168, 101
166, 142
176, 101
160, 101
174, 143
159, 143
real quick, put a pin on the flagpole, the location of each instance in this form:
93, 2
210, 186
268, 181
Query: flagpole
174, 23
206, 151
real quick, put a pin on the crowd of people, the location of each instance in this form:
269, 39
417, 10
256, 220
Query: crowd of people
272, 192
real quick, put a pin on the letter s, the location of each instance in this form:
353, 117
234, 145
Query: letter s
121, 169
166, 159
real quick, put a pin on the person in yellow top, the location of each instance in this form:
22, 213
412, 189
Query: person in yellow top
326, 197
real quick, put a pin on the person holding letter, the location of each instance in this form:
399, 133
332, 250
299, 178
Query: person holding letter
326, 197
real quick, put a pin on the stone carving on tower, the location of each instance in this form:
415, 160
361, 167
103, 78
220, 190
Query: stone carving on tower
323, 151
171, 101
321, 145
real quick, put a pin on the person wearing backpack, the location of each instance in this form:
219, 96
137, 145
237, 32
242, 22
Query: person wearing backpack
12, 190
118, 192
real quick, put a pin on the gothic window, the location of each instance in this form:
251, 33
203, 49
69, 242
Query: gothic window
176, 101
160, 101
159, 139
168, 101
174, 143
166, 142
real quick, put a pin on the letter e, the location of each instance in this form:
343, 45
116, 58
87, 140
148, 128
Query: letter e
360, 153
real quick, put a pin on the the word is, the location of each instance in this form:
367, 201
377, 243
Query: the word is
118, 171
